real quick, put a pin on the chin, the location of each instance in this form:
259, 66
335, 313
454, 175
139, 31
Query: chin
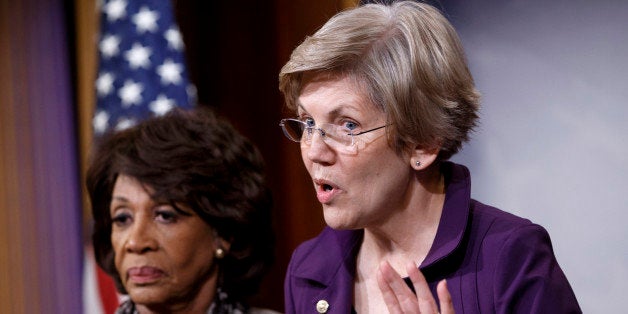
147, 296
335, 220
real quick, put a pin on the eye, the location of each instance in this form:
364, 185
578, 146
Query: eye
309, 122
166, 214
121, 219
350, 125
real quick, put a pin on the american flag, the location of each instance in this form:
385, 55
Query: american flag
142, 69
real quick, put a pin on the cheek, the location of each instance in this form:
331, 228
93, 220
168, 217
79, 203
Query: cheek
115, 239
117, 245
195, 255
306, 161
191, 247
384, 169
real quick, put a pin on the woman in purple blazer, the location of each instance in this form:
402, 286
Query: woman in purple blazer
383, 98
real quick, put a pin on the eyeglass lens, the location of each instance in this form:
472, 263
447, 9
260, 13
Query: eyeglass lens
299, 131
293, 129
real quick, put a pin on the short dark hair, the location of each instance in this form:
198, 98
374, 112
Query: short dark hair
197, 159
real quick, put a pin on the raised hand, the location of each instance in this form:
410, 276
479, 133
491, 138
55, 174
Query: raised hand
399, 298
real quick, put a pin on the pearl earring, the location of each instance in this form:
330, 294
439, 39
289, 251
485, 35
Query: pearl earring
220, 253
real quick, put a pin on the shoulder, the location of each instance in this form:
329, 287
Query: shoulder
519, 262
496, 215
491, 221
505, 236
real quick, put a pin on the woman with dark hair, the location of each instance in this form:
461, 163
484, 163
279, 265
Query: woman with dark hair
182, 215
383, 98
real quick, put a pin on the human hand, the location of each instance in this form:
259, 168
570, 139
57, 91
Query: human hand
400, 299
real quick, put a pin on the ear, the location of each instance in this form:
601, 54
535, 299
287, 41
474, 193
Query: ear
421, 158
222, 243
221, 248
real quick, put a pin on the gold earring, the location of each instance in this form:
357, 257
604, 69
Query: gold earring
220, 253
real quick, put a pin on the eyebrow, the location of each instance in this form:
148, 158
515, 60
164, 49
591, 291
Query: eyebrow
338, 111
300, 107
119, 198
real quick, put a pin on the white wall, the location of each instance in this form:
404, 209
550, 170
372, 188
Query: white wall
553, 141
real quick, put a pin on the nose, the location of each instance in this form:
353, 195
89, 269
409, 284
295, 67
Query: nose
318, 150
141, 237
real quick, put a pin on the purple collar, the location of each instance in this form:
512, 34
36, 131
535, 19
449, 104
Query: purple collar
453, 220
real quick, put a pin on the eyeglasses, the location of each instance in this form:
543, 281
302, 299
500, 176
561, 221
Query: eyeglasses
335, 135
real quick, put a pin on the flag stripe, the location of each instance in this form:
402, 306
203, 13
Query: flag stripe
106, 291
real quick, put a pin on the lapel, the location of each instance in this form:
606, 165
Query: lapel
329, 269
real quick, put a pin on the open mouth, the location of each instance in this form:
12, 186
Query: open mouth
325, 191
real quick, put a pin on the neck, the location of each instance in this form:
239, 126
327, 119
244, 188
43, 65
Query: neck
199, 302
194, 307
408, 233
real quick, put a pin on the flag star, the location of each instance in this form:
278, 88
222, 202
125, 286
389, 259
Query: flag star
146, 20
138, 56
104, 83
140, 46
100, 121
130, 93
173, 36
115, 10
110, 46
161, 105
125, 123
170, 72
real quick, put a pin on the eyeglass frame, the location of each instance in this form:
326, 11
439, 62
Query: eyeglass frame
321, 131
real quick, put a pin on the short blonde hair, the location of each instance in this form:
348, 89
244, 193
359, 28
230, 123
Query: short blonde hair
408, 59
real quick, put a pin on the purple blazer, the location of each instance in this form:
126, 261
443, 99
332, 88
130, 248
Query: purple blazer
494, 262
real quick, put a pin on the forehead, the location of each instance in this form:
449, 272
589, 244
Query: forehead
331, 94
126, 183
129, 189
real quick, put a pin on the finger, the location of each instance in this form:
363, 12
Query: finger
397, 295
387, 292
427, 304
446, 305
